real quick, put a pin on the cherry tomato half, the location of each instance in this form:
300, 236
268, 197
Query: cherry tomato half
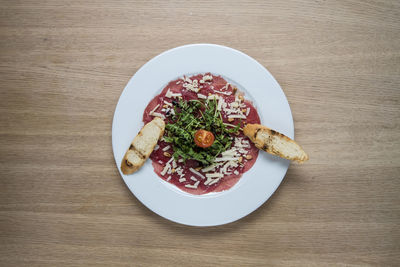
203, 138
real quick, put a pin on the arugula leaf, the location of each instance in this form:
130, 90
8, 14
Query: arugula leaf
191, 116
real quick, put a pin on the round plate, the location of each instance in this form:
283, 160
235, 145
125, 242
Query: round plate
255, 186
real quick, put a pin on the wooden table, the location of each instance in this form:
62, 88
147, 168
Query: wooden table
63, 65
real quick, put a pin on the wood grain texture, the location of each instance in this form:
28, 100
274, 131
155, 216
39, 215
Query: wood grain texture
63, 65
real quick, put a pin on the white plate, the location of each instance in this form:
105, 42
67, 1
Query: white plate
255, 186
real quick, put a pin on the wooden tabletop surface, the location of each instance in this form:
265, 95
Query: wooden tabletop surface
64, 64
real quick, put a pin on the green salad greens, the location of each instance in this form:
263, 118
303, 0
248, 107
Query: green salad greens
190, 116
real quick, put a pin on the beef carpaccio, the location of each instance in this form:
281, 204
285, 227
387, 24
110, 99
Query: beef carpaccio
190, 176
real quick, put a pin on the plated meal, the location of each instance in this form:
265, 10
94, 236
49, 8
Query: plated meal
191, 129
202, 135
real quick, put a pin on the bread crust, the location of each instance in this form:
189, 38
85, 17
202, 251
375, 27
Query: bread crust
266, 139
134, 157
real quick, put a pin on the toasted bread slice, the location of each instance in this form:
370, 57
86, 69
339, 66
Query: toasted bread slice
142, 146
275, 143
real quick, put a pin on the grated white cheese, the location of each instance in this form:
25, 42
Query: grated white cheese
187, 79
179, 171
181, 180
201, 96
235, 104
195, 185
230, 152
178, 82
224, 169
154, 109
206, 78
166, 148
238, 139
197, 173
209, 168
235, 172
169, 94
214, 181
156, 147
169, 178
230, 110
239, 116
193, 178
164, 171
225, 159
156, 114
220, 102
226, 87
191, 87
167, 166
214, 175
245, 144
180, 160
167, 103
243, 151
224, 93
229, 164
209, 180
247, 112
240, 143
